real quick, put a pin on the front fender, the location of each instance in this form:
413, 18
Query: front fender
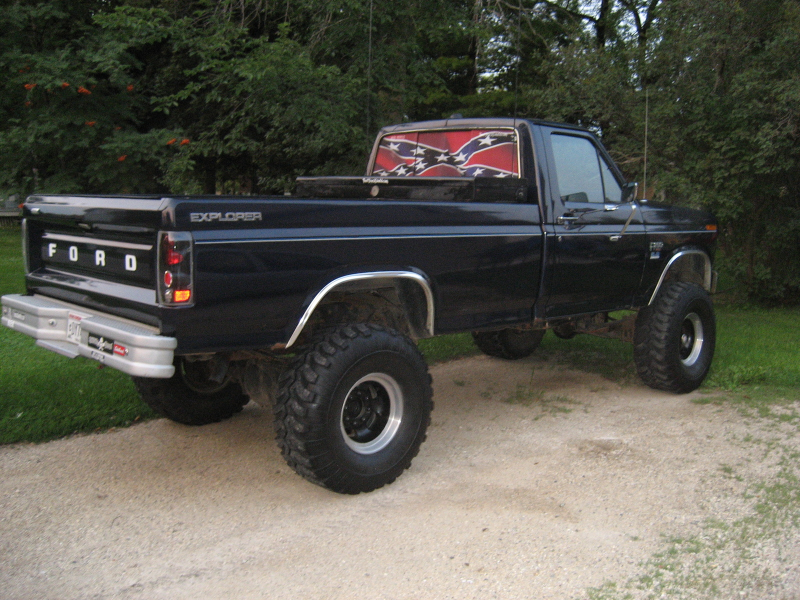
688, 264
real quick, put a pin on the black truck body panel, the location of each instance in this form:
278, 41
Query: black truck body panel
494, 252
251, 281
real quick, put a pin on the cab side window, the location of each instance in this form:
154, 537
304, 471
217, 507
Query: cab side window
612, 189
582, 174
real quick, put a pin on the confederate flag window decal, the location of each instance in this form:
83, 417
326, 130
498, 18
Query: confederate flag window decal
462, 153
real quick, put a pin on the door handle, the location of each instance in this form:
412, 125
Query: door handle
574, 214
614, 238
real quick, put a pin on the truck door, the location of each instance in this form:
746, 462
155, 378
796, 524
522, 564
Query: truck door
598, 236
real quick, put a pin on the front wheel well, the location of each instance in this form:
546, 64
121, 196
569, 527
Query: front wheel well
689, 265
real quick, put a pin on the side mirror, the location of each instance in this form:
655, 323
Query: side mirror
629, 192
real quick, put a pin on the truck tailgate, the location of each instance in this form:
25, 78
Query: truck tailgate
99, 252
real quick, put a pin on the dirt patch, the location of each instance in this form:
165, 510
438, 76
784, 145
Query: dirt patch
535, 482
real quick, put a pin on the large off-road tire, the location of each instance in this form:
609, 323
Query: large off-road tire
190, 396
674, 338
353, 408
510, 344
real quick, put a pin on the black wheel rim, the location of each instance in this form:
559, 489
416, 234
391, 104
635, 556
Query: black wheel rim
691, 344
371, 413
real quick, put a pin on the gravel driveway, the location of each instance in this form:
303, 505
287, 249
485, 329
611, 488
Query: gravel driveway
536, 481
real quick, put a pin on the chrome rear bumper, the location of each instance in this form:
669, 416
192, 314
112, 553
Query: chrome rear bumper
72, 331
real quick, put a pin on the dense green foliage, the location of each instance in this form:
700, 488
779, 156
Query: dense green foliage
242, 96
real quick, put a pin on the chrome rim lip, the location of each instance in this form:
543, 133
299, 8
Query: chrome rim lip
696, 325
390, 429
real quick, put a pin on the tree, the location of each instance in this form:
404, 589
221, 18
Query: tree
720, 82
242, 96
729, 110
65, 116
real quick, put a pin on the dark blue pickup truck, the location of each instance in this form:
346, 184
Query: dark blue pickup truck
504, 228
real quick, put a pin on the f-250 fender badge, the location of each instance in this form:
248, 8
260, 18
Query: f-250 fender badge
655, 250
228, 217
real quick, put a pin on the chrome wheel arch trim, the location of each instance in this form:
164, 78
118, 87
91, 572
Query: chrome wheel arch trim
359, 277
707, 275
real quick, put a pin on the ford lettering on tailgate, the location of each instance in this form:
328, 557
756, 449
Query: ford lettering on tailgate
122, 260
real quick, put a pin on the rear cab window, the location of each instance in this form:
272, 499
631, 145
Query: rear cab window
449, 153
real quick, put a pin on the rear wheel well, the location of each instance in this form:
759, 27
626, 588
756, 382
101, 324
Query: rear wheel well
397, 303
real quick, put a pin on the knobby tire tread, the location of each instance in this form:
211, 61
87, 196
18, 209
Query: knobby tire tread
654, 341
171, 398
300, 409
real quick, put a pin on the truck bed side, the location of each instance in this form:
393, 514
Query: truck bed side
259, 262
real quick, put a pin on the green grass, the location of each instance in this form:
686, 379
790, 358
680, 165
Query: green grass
12, 280
447, 347
757, 346
45, 396
608, 358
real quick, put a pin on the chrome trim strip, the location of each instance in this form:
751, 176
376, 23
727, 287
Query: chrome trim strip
567, 232
658, 232
536, 232
86, 240
151, 203
707, 277
416, 277
107, 288
642, 232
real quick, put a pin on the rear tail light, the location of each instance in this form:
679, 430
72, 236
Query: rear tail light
175, 283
